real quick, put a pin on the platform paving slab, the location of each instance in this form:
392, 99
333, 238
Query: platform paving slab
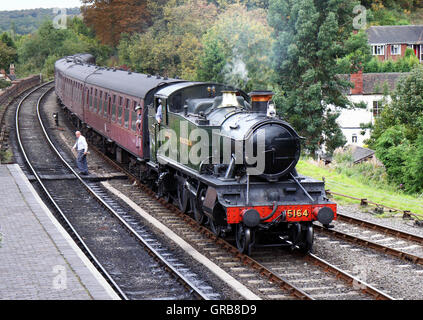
38, 258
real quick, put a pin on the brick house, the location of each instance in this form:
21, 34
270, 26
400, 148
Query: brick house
390, 42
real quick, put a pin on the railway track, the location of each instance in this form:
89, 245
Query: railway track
98, 225
394, 242
241, 265
261, 276
290, 272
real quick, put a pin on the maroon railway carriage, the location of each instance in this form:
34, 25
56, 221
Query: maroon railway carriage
104, 100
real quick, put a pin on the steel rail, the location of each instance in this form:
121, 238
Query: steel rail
246, 260
191, 287
373, 245
50, 197
355, 282
383, 229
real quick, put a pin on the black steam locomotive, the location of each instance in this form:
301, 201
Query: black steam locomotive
220, 154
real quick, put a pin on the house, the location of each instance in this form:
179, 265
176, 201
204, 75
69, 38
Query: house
8, 77
368, 88
390, 42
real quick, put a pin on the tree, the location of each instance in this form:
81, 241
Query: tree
110, 19
172, 45
38, 51
7, 56
398, 133
237, 49
310, 37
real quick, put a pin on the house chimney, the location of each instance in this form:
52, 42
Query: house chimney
357, 80
12, 69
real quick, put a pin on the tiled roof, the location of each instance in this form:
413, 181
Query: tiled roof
373, 83
395, 34
361, 154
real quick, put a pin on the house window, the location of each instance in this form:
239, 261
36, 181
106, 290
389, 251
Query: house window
377, 108
395, 49
354, 138
378, 50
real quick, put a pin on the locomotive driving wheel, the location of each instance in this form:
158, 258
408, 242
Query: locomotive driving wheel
244, 238
182, 194
197, 206
215, 227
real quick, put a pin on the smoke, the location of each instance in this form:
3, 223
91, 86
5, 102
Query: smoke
235, 71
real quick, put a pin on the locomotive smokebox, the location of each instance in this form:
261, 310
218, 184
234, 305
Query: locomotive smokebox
260, 100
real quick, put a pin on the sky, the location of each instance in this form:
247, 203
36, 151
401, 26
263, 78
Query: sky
32, 4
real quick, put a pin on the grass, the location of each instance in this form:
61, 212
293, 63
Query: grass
356, 186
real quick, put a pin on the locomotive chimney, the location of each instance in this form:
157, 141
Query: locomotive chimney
229, 99
260, 100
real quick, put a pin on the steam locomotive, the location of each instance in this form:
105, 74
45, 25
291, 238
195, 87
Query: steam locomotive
219, 153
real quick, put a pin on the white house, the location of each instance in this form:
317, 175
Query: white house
368, 88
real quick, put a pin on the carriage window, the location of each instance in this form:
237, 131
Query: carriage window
106, 105
126, 118
134, 120
91, 99
120, 115
114, 112
100, 106
120, 101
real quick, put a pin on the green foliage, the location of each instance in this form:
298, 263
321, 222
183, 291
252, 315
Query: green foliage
7, 56
404, 64
172, 46
237, 49
28, 21
358, 54
4, 84
368, 172
310, 37
38, 52
212, 61
398, 133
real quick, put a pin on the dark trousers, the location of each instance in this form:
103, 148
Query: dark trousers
81, 161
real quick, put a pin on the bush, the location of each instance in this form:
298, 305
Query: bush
372, 172
4, 84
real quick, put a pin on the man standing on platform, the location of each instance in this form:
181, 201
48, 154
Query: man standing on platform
81, 147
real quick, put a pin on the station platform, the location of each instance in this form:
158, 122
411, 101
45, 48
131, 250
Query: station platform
38, 259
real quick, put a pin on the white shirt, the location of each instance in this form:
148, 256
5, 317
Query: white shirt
81, 144
159, 113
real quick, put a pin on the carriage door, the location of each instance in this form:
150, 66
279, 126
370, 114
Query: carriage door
105, 114
155, 127
138, 125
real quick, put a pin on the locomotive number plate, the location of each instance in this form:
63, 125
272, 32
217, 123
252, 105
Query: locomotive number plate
298, 213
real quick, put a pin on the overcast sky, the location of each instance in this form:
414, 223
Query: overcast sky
32, 4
